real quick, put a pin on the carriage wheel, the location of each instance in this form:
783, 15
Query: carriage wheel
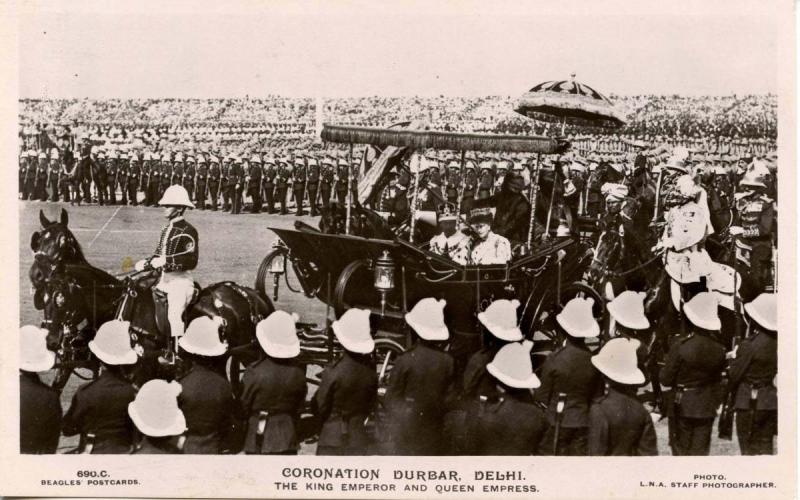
347, 287
386, 353
307, 276
264, 280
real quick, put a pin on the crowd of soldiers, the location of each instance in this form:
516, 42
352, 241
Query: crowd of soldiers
271, 182
580, 403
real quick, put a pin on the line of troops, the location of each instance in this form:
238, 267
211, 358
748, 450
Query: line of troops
313, 178
270, 181
581, 402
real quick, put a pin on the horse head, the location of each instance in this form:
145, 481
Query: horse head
606, 257
52, 246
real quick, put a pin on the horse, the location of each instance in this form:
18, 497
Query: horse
61, 269
77, 300
53, 246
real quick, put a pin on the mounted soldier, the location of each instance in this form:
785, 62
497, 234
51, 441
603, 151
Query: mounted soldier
175, 256
755, 228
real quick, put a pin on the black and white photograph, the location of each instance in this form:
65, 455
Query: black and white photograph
415, 234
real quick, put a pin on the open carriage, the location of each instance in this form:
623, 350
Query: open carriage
389, 276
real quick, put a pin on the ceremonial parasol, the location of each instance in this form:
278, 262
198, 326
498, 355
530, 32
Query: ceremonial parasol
568, 101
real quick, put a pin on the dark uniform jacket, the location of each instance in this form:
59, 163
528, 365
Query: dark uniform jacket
477, 381
569, 370
101, 408
620, 425
347, 394
754, 367
208, 405
757, 216
510, 425
179, 244
512, 214
694, 367
254, 174
39, 415
416, 398
159, 446
277, 387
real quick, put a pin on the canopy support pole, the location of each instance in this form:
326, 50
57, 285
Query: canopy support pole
533, 194
349, 189
414, 160
556, 170
461, 187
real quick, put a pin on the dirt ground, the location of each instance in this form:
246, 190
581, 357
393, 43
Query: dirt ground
231, 248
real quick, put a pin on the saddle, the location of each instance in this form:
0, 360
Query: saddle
160, 302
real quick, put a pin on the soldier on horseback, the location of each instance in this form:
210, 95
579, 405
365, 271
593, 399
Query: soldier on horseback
755, 226
176, 254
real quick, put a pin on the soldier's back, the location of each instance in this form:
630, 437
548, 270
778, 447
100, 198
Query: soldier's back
208, 405
512, 425
620, 425
40, 415
101, 408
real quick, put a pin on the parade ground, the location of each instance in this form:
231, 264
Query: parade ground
231, 248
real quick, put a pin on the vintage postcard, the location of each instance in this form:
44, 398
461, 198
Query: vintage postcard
410, 249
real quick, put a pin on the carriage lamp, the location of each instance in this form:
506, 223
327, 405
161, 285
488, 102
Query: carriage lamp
384, 277
277, 267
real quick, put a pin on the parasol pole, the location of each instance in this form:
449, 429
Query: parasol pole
462, 186
349, 190
414, 159
556, 169
533, 194
658, 194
